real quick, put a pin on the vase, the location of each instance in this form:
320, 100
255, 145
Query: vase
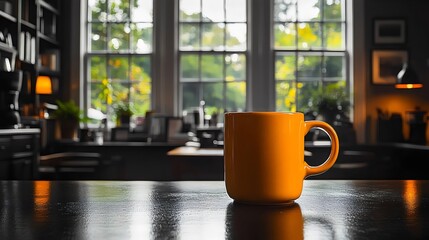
68, 129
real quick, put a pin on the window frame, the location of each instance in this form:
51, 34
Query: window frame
201, 52
260, 74
321, 51
108, 54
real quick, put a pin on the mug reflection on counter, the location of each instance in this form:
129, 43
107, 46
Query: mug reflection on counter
264, 222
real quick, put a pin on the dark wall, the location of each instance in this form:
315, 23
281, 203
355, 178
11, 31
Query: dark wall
416, 14
70, 53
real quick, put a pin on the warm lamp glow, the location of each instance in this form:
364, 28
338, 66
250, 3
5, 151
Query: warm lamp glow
409, 86
407, 79
43, 85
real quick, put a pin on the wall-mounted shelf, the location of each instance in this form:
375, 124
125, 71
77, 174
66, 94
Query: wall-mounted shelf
6, 48
48, 39
28, 24
8, 16
49, 7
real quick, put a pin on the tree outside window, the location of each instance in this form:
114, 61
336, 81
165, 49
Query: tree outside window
212, 48
309, 54
119, 53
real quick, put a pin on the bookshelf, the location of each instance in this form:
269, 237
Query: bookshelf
29, 41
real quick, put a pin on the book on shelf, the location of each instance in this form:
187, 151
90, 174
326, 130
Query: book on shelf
22, 47
27, 48
50, 59
33, 50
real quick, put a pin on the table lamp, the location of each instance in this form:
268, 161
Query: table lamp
43, 86
407, 79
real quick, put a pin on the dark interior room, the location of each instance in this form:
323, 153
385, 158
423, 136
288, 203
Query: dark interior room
151, 106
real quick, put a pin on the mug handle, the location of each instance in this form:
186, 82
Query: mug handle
335, 146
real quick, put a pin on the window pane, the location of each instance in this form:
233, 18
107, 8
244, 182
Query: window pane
333, 10
119, 37
213, 96
119, 10
116, 74
141, 69
142, 37
97, 10
309, 35
212, 67
235, 67
309, 50
189, 36
308, 10
285, 35
216, 32
285, 10
236, 37
142, 10
213, 11
236, 96
190, 10
285, 66
334, 67
190, 95
98, 36
140, 93
189, 67
286, 95
308, 95
99, 95
213, 36
309, 67
334, 36
338, 91
97, 66
235, 10
120, 92
118, 68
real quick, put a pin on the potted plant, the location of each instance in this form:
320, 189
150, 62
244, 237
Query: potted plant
332, 104
68, 116
123, 113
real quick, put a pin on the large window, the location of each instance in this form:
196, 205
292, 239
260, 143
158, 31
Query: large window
119, 52
207, 42
212, 48
310, 54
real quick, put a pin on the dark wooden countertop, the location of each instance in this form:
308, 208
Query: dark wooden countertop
327, 209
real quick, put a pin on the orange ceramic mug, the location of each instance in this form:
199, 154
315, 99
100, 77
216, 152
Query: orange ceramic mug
264, 155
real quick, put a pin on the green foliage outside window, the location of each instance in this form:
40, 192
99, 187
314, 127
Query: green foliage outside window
310, 55
120, 44
212, 59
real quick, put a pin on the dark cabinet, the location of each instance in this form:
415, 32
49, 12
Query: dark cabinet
19, 154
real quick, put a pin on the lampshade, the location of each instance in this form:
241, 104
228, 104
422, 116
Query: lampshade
407, 79
43, 85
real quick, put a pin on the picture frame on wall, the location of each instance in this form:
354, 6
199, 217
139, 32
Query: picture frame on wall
389, 31
386, 64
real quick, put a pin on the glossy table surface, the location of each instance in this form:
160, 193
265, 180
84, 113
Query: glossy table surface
327, 209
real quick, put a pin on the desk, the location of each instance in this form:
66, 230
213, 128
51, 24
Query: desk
195, 151
327, 209
204, 152
193, 163
129, 160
